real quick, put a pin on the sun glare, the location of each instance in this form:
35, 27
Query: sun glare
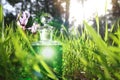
87, 10
76, 15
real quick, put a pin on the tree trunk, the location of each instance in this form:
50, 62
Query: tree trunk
67, 13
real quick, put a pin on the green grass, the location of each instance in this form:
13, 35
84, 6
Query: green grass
90, 57
87, 56
18, 59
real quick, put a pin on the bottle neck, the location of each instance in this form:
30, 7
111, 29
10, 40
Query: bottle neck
46, 34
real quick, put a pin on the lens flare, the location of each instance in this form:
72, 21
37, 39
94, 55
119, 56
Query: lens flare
47, 52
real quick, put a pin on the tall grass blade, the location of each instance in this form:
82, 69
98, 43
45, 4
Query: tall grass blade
97, 23
106, 31
49, 72
100, 43
1, 15
1, 22
112, 27
115, 39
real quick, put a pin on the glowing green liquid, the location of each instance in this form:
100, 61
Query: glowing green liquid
51, 51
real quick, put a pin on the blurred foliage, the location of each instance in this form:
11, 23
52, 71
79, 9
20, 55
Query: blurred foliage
35, 7
51, 21
18, 59
14, 2
54, 7
116, 8
91, 57
87, 56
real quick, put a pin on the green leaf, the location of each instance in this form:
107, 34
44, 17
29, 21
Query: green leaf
50, 73
106, 32
100, 43
114, 49
1, 22
97, 23
115, 39
1, 15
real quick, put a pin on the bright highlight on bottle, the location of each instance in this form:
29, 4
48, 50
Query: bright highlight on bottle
47, 52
